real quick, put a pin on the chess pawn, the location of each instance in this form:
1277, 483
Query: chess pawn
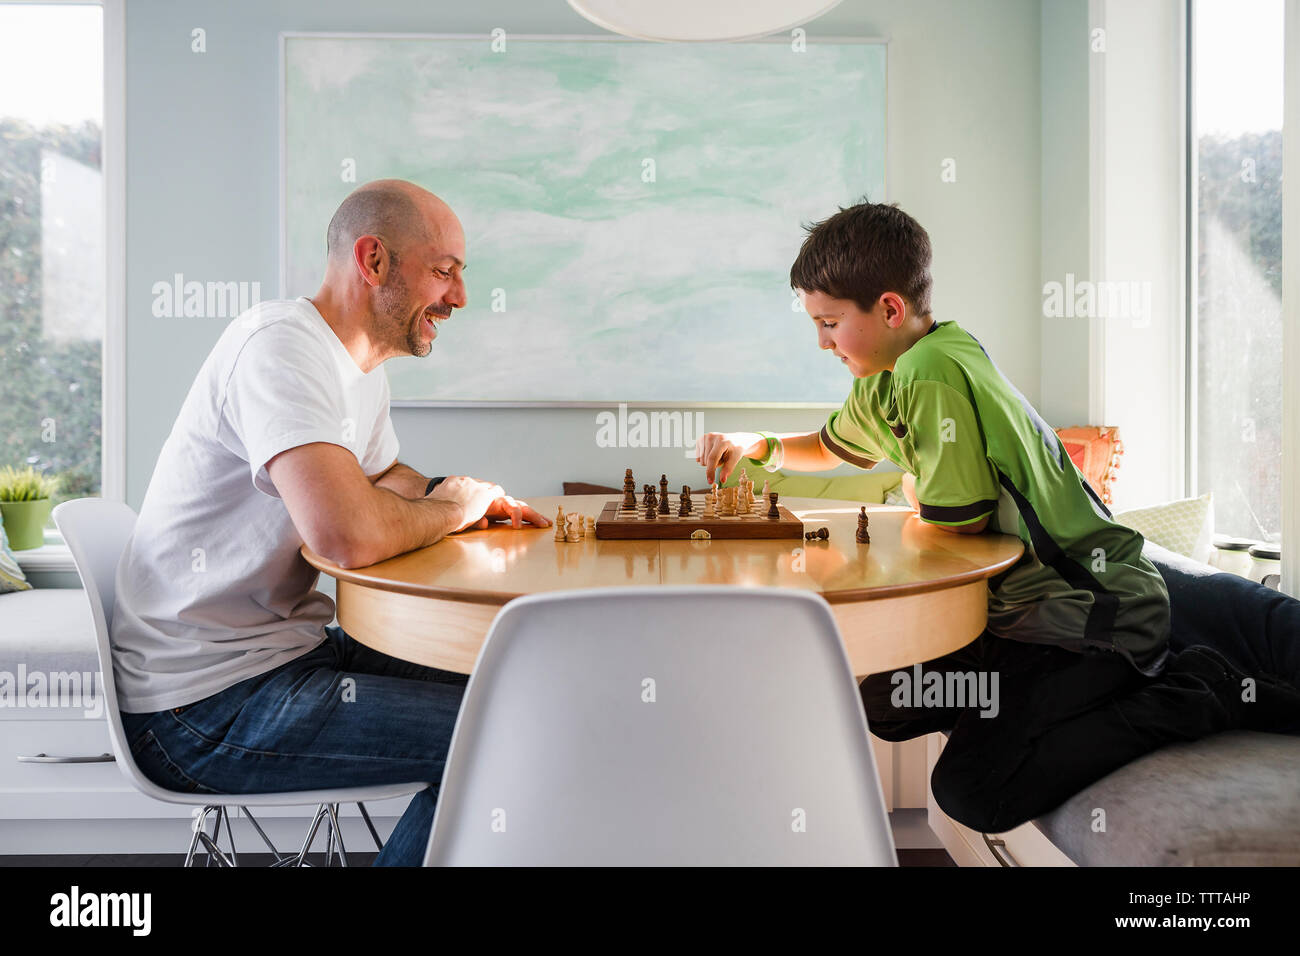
591, 526
863, 537
772, 512
647, 494
582, 527
559, 523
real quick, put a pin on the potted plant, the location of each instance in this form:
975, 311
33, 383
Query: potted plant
25, 503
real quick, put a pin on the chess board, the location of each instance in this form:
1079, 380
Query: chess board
615, 524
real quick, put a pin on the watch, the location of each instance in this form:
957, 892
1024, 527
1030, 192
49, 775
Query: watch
434, 483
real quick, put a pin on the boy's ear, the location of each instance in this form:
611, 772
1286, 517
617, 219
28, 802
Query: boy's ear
895, 308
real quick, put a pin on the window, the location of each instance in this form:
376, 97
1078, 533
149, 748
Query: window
1236, 120
53, 271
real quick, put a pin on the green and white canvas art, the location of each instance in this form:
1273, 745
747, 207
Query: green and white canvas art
631, 210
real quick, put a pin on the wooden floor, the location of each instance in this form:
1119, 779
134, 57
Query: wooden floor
905, 858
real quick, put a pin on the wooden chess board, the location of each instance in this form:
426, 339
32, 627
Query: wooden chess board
615, 524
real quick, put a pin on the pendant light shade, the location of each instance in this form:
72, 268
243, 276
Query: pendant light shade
700, 20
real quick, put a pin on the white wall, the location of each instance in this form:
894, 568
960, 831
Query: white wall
1142, 199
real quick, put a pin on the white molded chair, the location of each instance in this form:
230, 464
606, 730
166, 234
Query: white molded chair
662, 726
96, 532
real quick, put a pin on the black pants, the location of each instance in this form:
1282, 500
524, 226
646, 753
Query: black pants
1065, 719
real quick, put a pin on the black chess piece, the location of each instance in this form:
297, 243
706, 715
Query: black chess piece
663, 494
772, 512
647, 495
651, 506
685, 508
629, 491
863, 536
823, 534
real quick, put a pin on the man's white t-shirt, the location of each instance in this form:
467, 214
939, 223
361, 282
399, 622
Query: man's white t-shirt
212, 588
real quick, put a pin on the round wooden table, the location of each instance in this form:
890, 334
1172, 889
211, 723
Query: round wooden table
914, 593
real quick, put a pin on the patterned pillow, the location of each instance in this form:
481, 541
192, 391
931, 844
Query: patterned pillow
11, 575
1185, 527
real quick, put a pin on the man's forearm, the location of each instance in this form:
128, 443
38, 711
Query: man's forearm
404, 481
394, 525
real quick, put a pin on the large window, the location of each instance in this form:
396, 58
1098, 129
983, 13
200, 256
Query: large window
1237, 59
52, 246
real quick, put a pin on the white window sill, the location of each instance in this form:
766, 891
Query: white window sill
48, 557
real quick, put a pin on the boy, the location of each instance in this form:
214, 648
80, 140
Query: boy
1078, 630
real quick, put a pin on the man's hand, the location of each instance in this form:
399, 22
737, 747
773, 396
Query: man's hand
720, 452
481, 503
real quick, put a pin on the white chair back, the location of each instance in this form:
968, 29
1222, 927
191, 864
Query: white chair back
96, 532
662, 726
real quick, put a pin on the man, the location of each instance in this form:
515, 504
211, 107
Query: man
228, 677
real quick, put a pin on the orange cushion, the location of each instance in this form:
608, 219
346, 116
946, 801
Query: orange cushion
1095, 451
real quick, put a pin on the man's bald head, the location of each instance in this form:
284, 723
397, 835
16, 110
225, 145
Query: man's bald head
394, 210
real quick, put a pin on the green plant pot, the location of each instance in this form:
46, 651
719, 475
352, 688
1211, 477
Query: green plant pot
25, 522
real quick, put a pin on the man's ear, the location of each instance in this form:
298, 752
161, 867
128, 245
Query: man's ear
372, 259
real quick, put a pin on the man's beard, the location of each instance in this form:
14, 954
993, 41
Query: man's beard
393, 303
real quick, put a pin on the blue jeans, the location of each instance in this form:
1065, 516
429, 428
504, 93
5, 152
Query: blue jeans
341, 715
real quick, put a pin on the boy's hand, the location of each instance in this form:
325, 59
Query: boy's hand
721, 452
909, 491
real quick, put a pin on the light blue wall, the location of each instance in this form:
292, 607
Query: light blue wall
202, 200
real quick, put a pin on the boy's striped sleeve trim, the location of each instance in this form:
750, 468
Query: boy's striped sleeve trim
962, 514
841, 453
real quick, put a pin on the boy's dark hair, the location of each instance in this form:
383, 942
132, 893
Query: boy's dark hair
864, 251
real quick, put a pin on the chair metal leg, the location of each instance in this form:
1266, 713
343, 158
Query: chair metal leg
279, 857
230, 836
211, 849
216, 835
214, 851
326, 813
379, 844
199, 823
301, 858
338, 834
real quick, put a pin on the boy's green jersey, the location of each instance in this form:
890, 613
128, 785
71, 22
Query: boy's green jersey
977, 447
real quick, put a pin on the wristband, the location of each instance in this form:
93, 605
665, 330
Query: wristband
433, 483
775, 456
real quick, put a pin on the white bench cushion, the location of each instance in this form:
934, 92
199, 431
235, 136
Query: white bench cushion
48, 629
